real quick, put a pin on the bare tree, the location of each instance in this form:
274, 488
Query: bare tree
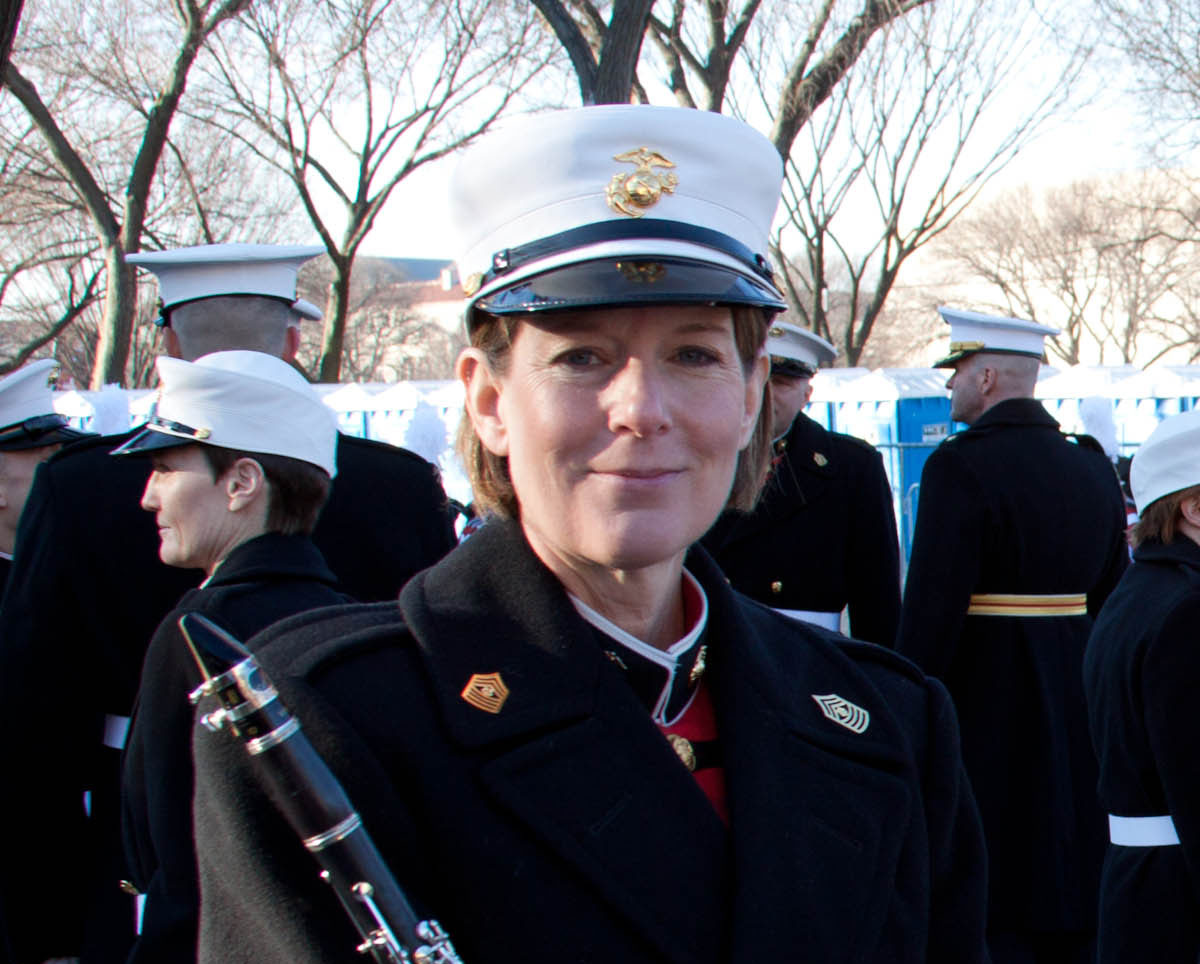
1114, 263
10, 16
603, 55
900, 149
349, 97
49, 272
1157, 38
106, 118
700, 45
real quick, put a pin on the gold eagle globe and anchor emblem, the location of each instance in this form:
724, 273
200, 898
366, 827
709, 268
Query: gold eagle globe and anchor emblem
632, 193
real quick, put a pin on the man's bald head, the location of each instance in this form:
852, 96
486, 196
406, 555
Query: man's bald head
233, 322
985, 378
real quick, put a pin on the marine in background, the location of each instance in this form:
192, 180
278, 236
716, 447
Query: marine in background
823, 536
31, 432
1019, 540
240, 456
88, 591
1139, 676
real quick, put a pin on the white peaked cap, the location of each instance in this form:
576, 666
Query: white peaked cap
244, 400
799, 344
616, 204
1169, 460
212, 270
971, 332
26, 392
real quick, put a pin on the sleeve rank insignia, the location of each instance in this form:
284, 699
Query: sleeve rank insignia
843, 712
485, 691
633, 193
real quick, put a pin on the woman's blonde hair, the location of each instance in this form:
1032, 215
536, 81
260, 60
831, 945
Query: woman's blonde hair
488, 472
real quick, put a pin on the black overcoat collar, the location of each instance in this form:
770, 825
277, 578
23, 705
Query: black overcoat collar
273, 556
1013, 411
818, 812
1181, 552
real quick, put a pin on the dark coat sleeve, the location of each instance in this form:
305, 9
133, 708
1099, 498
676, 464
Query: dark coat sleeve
156, 797
1168, 683
958, 857
263, 901
942, 570
54, 808
873, 556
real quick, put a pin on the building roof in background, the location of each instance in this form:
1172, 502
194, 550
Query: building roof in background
418, 269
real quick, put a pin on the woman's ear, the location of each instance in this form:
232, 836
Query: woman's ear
481, 389
245, 483
1189, 508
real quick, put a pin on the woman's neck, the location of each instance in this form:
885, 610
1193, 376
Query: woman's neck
647, 602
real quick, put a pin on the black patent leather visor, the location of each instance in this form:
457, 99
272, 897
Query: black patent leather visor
168, 435
38, 431
632, 282
791, 368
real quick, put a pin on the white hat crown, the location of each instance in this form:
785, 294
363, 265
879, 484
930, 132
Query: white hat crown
613, 181
214, 270
972, 332
245, 400
1168, 461
26, 393
785, 340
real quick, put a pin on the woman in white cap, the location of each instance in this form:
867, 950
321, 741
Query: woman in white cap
1140, 675
241, 455
572, 741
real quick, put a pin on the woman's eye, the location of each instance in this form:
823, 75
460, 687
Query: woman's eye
579, 357
696, 356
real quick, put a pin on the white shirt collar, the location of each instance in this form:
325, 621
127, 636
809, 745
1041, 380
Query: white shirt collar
667, 658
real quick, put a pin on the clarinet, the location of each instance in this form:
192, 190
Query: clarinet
311, 798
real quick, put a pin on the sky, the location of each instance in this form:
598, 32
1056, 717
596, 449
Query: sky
1104, 138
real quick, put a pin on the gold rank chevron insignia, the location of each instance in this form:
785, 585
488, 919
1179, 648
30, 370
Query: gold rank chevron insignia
486, 691
843, 712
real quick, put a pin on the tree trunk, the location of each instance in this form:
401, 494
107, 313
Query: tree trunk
120, 297
336, 308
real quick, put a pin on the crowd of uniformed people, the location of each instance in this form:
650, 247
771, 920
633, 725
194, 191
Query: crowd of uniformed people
667, 701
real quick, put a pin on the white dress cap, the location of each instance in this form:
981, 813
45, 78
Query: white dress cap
244, 400
1168, 461
212, 270
27, 416
808, 351
971, 332
616, 204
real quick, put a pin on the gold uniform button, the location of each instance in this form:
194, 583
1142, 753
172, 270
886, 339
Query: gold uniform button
776, 586
683, 749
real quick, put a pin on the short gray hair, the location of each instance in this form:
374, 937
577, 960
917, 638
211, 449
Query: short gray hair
232, 323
